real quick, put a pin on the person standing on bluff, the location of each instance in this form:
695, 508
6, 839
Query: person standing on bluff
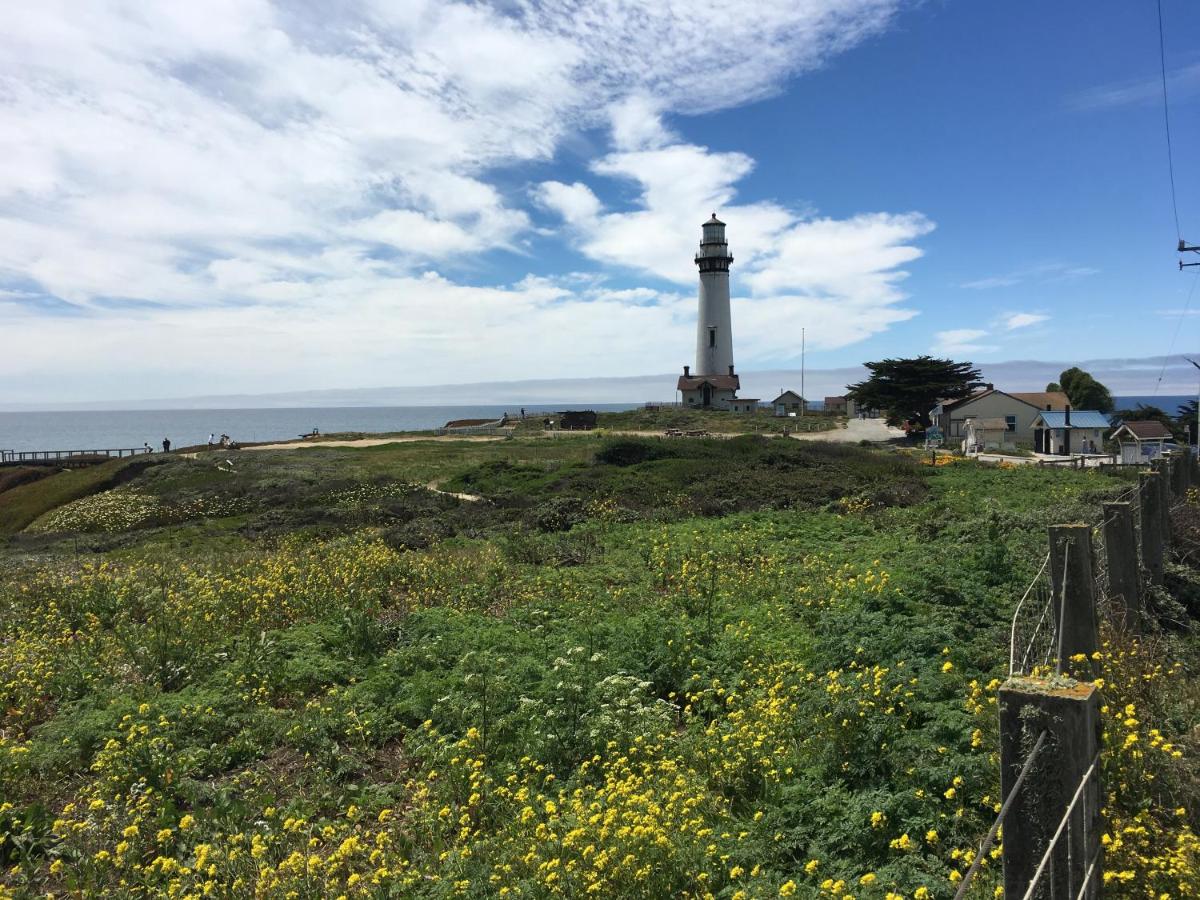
166, 445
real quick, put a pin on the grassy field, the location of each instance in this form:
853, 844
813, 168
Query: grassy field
660, 419
634, 668
21, 505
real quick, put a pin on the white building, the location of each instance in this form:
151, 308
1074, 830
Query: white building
1017, 409
788, 403
714, 383
1143, 441
1070, 431
984, 434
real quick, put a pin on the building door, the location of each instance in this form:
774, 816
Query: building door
1066, 441
1039, 440
706, 395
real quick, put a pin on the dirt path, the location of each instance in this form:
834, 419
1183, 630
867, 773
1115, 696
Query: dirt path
856, 430
458, 495
374, 442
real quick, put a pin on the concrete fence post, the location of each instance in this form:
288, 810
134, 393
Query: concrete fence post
1073, 596
1069, 713
1162, 467
1150, 505
1120, 556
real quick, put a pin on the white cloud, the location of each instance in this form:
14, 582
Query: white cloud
839, 279
992, 281
1182, 83
245, 169
959, 341
1013, 321
637, 124
574, 202
1045, 273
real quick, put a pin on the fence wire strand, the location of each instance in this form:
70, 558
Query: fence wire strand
1037, 875
995, 829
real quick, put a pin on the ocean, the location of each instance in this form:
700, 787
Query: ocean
1167, 403
113, 429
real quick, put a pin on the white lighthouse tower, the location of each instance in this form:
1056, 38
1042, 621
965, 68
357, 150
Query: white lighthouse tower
714, 382
714, 339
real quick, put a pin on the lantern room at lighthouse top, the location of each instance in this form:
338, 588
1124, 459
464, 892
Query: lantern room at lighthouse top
714, 251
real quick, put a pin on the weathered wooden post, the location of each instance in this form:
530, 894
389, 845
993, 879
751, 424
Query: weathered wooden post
1073, 594
1120, 556
1171, 465
1069, 712
1178, 474
1150, 505
1163, 469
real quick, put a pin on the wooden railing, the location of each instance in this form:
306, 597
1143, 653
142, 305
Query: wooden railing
14, 457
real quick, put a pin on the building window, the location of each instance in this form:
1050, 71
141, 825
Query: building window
712, 337
1010, 423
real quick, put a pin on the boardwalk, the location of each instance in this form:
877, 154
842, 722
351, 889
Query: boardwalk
67, 458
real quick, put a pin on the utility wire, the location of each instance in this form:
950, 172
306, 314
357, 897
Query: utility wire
1178, 324
1162, 58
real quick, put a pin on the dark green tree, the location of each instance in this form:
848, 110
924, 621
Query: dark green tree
905, 390
1054, 386
1084, 391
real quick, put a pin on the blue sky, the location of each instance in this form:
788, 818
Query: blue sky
259, 197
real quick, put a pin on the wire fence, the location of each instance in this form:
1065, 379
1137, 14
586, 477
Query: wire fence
986, 845
1033, 627
1077, 829
1035, 645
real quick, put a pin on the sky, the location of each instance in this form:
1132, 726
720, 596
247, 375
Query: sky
244, 196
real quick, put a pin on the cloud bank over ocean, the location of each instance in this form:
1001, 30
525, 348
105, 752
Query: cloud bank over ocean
1129, 377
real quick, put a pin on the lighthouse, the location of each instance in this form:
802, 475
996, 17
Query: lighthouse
713, 384
714, 339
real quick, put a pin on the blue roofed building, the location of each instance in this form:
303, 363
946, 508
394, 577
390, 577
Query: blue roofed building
1069, 431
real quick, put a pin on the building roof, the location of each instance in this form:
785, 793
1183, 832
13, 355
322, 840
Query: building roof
720, 382
782, 398
990, 424
948, 404
1148, 430
1055, 400
841, 397
714, 220
1080, 418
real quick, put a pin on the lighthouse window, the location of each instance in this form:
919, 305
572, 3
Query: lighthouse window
712, 337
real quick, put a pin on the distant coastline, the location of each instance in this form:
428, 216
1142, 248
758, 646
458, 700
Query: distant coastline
104, 429
1131, 377
101, 429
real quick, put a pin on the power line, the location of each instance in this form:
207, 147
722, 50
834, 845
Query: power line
1162, 58
1179, 324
